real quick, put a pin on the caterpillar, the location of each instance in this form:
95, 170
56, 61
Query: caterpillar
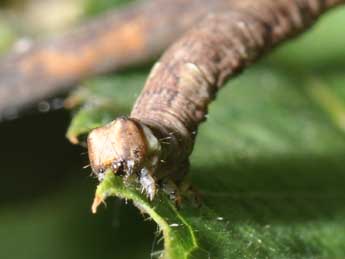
153, 144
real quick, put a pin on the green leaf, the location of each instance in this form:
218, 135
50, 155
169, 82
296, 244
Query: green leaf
180, 240
268, 162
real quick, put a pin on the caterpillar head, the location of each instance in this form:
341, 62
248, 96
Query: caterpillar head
124, 145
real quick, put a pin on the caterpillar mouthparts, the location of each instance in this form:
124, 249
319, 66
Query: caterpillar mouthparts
129, 149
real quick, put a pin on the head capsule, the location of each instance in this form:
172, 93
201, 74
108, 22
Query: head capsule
124, 145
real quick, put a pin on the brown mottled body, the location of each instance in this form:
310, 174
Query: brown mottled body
175, 98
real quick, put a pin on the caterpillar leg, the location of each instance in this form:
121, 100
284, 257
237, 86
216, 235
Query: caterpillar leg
148, 183
191, 193
172, 190
177, 192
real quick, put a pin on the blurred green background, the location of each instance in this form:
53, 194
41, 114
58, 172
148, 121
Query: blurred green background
46, 195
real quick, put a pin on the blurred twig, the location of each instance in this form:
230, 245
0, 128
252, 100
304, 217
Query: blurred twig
118, 39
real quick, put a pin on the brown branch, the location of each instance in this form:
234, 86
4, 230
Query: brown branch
135, 34
175, 98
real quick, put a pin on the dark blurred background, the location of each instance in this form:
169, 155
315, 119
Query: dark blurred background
46, 198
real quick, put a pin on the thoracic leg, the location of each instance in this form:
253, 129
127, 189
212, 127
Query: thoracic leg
171, 189
148, 183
